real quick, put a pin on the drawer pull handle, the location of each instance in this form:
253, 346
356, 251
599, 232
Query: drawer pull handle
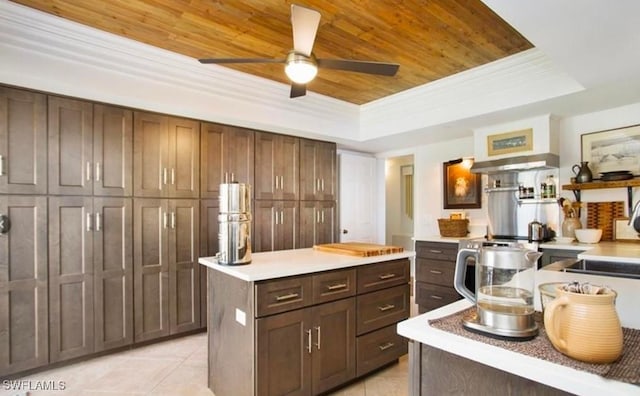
287, 297
386, 307
386, 346
435, 251
435, 297
386, 276
337, 286
436, 272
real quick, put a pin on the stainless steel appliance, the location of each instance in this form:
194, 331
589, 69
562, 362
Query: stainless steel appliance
504, 290
234, 224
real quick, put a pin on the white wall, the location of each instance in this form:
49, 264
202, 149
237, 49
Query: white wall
572, 128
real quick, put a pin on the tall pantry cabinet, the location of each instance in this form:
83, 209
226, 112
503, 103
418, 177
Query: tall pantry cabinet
166, 225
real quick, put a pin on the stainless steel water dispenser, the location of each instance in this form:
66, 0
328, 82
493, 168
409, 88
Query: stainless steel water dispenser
234, 224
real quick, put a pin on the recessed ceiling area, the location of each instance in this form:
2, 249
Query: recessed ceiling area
429, 39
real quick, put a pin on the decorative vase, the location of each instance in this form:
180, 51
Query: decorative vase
582, 172
569, 226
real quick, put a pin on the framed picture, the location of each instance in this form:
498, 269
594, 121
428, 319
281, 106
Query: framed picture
461, 187
510, 142
613, 150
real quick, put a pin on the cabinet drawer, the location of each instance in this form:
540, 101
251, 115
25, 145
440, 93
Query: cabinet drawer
382, 275
378, 348
382, 308
282, 295
429, 296
437, 250
334, 285
435, 271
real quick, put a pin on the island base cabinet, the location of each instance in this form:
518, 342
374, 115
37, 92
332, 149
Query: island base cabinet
307, 351
378, 348
436, 372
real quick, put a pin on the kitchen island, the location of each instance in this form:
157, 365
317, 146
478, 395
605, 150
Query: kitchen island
442, 362
303, 321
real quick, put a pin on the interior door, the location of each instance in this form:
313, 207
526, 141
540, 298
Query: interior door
358, 220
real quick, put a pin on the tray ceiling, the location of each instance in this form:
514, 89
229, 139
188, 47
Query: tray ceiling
429, 39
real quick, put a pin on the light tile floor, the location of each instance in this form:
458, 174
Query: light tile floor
176, 367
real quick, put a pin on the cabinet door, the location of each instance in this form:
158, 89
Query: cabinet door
71, 324
276, 225
276, 167
287, 226
264, 213
150, 269
317, 170
70, 146
317, 223
209, 210
150, 154
334, 345
284, 353
288, 168
113, 277
112, 151
24, 326
184, 158
23, 142
326, 170
226, 153
266, 169
184, 270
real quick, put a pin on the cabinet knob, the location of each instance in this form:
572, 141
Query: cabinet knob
345, 231
5, 224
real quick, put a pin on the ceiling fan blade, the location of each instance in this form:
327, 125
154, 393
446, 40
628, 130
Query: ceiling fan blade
239, 60
381, 68
298, 90
304, 23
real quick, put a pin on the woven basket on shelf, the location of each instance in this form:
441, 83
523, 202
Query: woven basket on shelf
453, 227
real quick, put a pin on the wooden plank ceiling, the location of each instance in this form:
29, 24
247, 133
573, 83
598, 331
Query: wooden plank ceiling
430, 39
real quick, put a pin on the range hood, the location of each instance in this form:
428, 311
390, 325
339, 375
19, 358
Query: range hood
517, 164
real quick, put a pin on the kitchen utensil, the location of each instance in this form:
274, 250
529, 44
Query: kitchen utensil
585, 327
588, 235
582, 172
504, 283
616, 175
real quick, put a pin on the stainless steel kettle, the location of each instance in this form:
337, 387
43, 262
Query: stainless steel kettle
536, 231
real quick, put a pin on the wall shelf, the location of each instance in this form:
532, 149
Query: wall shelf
599, 184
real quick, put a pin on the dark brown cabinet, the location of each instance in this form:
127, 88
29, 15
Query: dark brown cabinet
70, 146
166, 156
90, 148
301, 335
276, 225
317, 170
307, 351
71, 313
227, 155
24, 325
113, 272
317, 223
435, 268
112, 151
166, 271
276, 166
23, 142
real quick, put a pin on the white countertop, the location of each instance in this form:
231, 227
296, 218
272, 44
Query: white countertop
622, 252
438, 238
281, 263
542, 371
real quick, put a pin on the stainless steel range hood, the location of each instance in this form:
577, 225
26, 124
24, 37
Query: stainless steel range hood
517, 164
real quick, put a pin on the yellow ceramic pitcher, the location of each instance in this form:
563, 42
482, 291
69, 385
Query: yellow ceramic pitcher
585, 327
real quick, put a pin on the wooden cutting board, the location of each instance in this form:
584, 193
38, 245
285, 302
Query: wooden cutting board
358, 249
602, 215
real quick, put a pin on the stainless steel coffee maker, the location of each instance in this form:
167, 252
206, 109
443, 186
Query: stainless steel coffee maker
505, 281
234, 224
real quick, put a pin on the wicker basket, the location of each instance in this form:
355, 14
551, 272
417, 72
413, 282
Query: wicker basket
453, 228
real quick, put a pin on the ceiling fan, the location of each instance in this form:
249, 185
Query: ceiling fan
301, 66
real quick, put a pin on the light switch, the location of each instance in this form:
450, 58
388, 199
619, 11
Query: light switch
241, 317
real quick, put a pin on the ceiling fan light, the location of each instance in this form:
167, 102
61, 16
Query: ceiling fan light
301, 70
